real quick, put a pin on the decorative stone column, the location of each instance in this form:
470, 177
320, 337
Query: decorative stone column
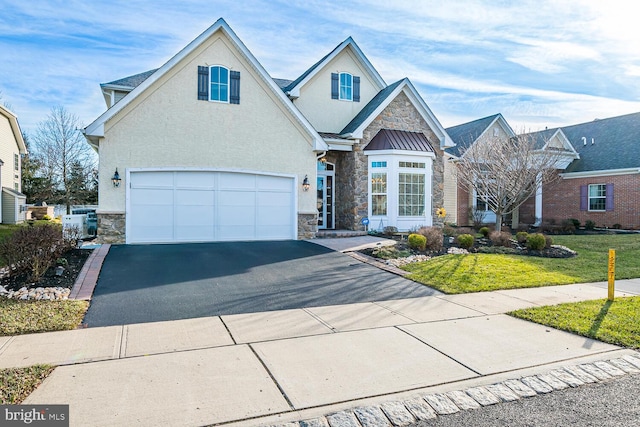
111, 228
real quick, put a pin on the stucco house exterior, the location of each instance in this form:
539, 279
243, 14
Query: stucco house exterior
603, 183
12, 147
210, 147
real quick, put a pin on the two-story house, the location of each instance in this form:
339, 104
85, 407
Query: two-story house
210, 147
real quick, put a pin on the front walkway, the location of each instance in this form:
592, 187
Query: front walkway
279, 366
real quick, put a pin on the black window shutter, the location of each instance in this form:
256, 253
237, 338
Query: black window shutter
334, 86
584, 198
356, 89
609, 198
234, 95
203, 83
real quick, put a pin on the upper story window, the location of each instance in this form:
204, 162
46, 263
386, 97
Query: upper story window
16, 162
345, 87
382, 164
412, 165
219, 84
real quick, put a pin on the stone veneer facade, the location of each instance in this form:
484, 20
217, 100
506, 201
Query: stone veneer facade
307, 226
111, 228
352, 199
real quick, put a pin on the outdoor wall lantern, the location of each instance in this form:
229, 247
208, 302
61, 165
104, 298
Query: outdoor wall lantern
305, 183
116, 179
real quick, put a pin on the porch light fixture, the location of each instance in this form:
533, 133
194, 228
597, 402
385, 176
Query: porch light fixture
116, 179
305, 183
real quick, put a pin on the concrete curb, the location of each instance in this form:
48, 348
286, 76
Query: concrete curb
404, 412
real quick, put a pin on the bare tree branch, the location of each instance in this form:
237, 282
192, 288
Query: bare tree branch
508, 171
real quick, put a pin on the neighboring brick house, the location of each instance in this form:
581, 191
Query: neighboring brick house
603, 184
210, 147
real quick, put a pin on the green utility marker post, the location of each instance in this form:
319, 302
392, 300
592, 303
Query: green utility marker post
612, 273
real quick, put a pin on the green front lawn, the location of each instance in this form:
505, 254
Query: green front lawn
616, 322
27, 317
454, 274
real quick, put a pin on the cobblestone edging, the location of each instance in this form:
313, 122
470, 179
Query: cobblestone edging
430, 406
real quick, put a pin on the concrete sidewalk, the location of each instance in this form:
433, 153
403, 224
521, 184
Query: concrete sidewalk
273, 367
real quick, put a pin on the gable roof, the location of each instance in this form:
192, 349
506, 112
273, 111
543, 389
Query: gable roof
15, 128
356, 127
391, 139
616, 143
293, 89
96, 129
465, 134
130, 82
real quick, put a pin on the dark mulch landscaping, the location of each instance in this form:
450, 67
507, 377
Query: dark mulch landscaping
480, 245
75, 261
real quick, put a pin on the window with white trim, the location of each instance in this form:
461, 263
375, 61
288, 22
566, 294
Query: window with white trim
16, 162
597, 197
411, 194
379, 193
219, 79
412, 165
346, 87
382, 164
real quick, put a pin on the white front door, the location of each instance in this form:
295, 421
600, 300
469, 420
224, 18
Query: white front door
201, 206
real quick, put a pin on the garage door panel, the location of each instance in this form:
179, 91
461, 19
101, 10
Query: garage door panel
186, 206
237, 198
152, 179
204, 180
194, 197
265, 182
151, 196
236, 181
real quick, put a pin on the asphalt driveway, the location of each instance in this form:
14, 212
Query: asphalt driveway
148, 283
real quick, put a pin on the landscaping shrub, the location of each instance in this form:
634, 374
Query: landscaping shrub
568, 226
497, 250
548, 241
417, 241
484, 231
536, 242
521, 237
589, 225
500, 238
32, 250
465, 241
389, 252
389, 230
617, 226
46, 218
575, 222
434, 237
449, 231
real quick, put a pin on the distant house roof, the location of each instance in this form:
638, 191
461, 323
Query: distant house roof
15, 128
130, 82
370, 108
282, 83
616, 143
467, 133
390, 139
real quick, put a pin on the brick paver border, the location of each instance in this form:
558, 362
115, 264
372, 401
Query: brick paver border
88, 277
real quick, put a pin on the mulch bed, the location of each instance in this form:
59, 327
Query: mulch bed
478, 245
75, 259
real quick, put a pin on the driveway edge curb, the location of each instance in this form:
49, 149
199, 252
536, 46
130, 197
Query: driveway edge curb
88, 277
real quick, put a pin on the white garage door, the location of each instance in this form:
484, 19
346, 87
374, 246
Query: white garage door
204, 206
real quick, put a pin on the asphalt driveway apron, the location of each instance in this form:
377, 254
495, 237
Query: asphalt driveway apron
149, 283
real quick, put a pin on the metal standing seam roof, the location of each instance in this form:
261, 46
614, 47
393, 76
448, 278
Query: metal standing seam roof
391, 139
465, 134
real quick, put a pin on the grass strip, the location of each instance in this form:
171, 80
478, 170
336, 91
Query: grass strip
614, 322
26, 317
18, 383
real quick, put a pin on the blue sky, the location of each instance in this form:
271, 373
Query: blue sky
539, 63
